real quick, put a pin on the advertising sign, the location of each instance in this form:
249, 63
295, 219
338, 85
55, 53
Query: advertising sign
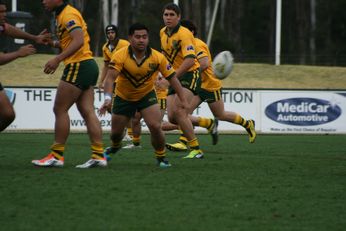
275, 111
303, 112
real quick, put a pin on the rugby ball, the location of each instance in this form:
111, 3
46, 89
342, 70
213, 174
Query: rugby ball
223, 64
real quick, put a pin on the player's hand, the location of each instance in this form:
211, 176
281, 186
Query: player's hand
44, 38
51, 66
106, 107
26, 50
161, 83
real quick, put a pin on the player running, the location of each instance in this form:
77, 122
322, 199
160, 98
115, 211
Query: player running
211, 91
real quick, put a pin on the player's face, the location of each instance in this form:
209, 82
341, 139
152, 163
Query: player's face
2, 14
50, 5
111, 35
170, 18
139, 40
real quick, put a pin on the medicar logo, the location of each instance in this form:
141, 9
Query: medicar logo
303, 111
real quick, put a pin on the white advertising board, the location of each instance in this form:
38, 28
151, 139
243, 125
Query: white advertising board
34, 109
303, 112
279, 111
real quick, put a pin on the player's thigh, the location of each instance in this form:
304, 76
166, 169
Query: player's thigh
150, 110
152, 116
217, 108
195, 102
85, 102
119, 123
66, 95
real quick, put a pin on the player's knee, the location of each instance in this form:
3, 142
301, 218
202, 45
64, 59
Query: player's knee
154, 127
58, 110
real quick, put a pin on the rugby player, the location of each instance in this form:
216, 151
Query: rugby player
76, 85
135, 69
211, 92
178, 45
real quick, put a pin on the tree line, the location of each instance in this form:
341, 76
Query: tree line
313, 31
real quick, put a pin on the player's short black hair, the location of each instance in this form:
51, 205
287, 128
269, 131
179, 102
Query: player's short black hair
111, 27
2, 2
189, 25
172, 6
137, 26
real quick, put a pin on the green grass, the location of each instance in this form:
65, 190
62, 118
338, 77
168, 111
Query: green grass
29, 72
290, 182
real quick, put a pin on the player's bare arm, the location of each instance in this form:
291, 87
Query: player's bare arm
175, 84
103, 74
204, 63
76, 43
14, 32
21, 52
185, 66
111, 76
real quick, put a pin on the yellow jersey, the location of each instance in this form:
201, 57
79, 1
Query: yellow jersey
178, 45
137, 80
68, 19
209, 81
161, 94
108, 49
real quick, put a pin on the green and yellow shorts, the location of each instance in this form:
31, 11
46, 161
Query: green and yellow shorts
190, 80
163, 103
82, 74
129, 108
210, 96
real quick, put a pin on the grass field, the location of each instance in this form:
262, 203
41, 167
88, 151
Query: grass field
290, 182
29, 72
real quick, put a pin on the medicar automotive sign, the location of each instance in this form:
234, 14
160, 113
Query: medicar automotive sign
303, 112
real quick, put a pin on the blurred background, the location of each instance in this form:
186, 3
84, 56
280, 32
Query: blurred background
313, 31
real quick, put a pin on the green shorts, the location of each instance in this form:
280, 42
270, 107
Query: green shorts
129, 108
210, 96
162, 103
190, 80
82, 74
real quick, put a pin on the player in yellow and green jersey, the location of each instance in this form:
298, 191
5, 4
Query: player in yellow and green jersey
113, 44
211, 89
76, 85
178, 45
135, 69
